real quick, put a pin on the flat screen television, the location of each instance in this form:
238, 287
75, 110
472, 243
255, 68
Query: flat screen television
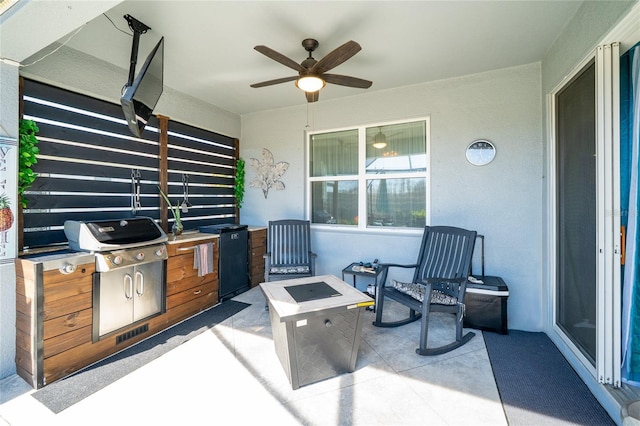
140, 98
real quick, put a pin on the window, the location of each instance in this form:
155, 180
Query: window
370, 176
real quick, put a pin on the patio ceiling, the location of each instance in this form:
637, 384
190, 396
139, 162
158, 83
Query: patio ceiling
209, 44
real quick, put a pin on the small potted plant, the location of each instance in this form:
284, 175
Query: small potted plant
177, 227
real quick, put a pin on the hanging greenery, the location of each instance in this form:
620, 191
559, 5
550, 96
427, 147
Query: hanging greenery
239, 181
27, 154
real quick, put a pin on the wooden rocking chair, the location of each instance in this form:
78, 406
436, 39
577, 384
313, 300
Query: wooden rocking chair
438, 285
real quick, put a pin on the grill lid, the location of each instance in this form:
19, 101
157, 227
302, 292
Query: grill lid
106, 235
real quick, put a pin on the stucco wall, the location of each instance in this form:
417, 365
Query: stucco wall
84, 74
8, 128
581, 35
500, 200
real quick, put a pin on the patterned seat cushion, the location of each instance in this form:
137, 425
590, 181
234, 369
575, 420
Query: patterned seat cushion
417, 292
289, 270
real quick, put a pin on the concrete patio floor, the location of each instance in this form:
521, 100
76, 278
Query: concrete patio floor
230, 374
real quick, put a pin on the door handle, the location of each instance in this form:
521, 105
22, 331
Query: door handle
128, 286
139, 283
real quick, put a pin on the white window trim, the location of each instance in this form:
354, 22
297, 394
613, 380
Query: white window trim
362, 178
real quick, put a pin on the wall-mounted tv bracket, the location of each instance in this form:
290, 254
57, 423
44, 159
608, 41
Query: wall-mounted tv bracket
138, 28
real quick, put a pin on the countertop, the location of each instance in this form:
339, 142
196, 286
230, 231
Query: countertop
195, 235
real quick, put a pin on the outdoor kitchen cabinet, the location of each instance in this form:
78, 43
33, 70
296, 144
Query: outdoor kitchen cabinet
54, 319
257, 249
188, 293
53, 316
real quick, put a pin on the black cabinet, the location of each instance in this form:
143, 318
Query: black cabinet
233, 272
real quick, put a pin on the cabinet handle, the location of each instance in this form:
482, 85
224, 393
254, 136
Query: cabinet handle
128, 287
197, 292
139, 283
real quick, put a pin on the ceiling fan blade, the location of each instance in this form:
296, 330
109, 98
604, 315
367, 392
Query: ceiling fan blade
276, 81
279, 57
345, 80
312, 96
336, 57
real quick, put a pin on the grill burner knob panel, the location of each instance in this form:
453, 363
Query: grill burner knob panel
129, 257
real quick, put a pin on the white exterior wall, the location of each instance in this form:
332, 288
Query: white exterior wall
501, 200
8, 128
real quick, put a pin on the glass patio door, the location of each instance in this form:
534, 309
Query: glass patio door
576, 304
587, 220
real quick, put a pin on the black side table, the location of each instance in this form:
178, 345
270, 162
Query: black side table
374, 274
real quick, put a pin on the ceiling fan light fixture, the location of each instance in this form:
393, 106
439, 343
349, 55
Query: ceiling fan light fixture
379, 145
310, 83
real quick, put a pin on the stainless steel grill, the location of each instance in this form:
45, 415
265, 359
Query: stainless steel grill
130, 281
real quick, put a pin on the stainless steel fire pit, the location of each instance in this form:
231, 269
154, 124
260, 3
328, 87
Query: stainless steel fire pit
316, 324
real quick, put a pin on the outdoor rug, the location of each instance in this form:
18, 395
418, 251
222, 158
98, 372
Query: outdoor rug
536, 383
64, 393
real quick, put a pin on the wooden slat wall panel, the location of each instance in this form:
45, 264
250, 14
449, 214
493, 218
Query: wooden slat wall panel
66, 341
84, 140
208, 161
87, 155
68, 323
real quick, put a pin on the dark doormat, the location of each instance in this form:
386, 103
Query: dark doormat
537, 385
64, 393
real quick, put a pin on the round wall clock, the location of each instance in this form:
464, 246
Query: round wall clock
480, 152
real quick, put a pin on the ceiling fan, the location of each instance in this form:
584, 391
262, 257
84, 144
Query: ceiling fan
312, 74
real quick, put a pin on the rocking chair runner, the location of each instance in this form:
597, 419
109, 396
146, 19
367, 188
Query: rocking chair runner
438, 285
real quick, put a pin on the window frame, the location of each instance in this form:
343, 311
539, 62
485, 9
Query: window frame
362, 178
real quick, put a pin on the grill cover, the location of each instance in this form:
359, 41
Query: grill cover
106, 235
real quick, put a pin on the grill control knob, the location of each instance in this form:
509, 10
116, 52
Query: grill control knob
160, 251
68, 268
117, 260
140, 256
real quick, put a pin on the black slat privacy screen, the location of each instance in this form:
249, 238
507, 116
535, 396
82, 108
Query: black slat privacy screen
91, 167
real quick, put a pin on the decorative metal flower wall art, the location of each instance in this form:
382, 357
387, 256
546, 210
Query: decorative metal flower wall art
268, 173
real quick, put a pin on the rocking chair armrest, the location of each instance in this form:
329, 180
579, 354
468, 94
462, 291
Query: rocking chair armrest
459, 292
396, 265
384, 267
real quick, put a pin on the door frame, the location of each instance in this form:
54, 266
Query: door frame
627, 33
552, 208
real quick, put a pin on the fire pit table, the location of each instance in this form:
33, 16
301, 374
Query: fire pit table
316, 324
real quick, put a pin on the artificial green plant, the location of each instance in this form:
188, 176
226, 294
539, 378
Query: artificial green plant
239, 182
27, 157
